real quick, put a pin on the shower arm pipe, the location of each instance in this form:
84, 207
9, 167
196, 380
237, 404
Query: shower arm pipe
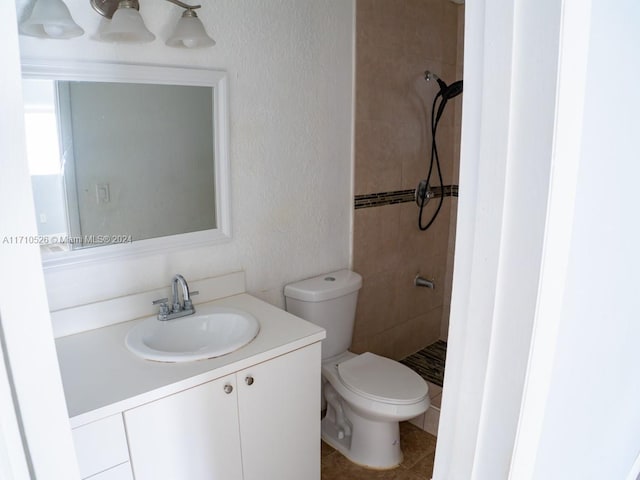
184, 5
107, 8
429, 76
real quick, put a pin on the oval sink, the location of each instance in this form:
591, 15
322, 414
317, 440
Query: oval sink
209, 333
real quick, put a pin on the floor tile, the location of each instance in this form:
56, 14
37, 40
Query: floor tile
408, 475
326, 449
415, 444
424, 468
418, 448
337, 467
418, 421
429, 362
434, 390
432, 420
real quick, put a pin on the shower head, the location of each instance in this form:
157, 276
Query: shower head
447, 91
453, 90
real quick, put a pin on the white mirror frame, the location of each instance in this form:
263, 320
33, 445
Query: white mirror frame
159, 75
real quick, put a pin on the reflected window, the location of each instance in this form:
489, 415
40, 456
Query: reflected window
43, 156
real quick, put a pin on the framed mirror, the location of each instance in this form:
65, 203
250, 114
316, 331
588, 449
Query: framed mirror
125, 159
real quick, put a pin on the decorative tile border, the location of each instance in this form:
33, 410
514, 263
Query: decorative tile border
399, 196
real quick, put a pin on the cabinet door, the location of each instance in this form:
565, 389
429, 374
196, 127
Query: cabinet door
100, 445
190, 435
121, 472
279, 408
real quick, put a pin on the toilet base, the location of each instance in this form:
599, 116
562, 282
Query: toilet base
370, 443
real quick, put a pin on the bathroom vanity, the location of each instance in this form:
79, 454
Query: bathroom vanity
252, 414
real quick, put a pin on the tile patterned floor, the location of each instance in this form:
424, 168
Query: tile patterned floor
429, 362
418, 447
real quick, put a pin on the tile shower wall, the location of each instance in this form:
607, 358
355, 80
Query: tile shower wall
396, 41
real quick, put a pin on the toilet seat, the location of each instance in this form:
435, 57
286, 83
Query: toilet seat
374, 394
382, 380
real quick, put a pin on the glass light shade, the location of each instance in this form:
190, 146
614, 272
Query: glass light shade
50, 19
190, 33
126, 26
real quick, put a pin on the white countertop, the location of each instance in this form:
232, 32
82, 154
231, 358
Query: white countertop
101, 377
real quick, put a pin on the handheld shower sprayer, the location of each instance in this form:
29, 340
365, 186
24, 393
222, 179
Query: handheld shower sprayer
423, 191
447, 91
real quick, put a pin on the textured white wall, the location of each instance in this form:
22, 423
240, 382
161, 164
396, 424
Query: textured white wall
290, 65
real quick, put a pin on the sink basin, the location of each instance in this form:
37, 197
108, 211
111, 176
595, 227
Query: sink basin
208, 333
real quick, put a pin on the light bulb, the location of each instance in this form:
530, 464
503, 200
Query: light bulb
50, 19
190, 32
190, 42
54, 31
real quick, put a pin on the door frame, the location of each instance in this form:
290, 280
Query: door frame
35, 435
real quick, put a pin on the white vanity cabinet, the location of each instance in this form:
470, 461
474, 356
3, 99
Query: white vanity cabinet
192, 434
251, 415
279, 410
261, 423
101, 449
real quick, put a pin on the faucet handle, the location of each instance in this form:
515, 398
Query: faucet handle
164, 307
188, 304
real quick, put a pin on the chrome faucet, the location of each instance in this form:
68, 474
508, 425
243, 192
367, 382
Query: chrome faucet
177, 309
186, 299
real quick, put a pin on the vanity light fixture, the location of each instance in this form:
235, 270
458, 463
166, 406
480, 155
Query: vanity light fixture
50, 19
127, 26
190, 32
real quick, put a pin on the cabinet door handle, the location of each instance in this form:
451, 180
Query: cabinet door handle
249, 380
228, 388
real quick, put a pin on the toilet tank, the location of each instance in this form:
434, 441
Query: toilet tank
328, 301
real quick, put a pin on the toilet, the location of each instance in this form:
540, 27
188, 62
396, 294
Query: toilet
365, 395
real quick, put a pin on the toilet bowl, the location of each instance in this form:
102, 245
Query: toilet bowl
366, 395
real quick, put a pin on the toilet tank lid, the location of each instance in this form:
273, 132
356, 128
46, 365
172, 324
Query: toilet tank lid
324, 287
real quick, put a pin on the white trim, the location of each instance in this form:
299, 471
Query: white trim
352, 172
24, 313
634, 473
572, 78
46, 69
126, 73
13, 462
65, 142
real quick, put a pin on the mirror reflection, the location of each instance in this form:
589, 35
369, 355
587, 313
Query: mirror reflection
119, 162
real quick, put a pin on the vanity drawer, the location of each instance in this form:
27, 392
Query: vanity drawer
121, 472
100, 446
